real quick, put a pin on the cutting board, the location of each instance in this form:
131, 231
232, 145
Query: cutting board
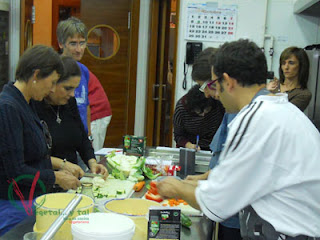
185, 209
111, 186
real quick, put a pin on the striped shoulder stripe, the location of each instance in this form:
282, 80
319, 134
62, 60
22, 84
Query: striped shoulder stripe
252, 109
246, 127
252, 105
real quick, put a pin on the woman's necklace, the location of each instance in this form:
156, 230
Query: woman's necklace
58, 119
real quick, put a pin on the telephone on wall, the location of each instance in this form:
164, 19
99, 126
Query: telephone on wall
192, 51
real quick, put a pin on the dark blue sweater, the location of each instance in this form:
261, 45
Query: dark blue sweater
23, 147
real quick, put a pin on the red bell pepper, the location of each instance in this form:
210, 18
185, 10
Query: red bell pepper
153, 197
153, 188
153, 184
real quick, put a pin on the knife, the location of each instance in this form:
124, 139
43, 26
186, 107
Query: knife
92, 175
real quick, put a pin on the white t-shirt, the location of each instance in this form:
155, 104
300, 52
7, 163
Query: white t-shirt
271, 161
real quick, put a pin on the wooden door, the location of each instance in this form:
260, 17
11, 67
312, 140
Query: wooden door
26, 28
118, 73
161, 72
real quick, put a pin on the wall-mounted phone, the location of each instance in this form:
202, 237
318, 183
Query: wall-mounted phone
192, 51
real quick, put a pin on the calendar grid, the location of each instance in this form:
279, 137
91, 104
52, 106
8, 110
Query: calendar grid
206, 23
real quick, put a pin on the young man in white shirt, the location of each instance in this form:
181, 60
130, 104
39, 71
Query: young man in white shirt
269, 167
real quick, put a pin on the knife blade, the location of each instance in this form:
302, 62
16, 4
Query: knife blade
92, 175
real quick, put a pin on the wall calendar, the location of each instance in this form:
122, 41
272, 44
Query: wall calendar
211, 23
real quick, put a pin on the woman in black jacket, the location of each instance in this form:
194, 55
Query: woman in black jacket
59, 110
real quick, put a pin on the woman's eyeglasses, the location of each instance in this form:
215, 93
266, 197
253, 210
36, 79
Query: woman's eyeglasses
74, 45
46, 134
209, 84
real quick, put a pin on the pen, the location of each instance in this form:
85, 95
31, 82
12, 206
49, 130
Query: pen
197, 143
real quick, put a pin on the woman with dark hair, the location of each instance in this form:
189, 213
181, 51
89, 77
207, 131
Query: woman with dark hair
294, 74
25, 141
59, 110
195, 115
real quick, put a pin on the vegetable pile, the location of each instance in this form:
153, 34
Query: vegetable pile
129, 167
175, 202
153, 194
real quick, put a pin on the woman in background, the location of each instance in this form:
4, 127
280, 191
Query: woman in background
59, 110
195, 115
294, 74
25, 141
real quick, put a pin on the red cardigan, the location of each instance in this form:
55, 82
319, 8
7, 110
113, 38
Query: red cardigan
99, 103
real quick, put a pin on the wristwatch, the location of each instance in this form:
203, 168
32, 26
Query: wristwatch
90, 138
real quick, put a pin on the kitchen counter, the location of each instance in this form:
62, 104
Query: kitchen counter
201, 228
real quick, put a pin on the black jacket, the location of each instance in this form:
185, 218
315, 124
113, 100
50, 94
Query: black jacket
23, 146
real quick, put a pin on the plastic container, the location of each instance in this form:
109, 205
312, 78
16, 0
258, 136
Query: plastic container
50, 206
135, 208
102, 226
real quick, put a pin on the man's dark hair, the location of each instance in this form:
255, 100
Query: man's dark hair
201, 69
195, 100
242, 60
303, 59
40, 57
71, 69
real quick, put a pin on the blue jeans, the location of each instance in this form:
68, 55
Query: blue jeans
11, 215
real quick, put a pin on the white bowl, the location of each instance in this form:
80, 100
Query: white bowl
102, 226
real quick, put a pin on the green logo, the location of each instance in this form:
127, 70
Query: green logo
14, 187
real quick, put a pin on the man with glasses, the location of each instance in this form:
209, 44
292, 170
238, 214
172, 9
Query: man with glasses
269, 167
72, 38
202, 69
92, 101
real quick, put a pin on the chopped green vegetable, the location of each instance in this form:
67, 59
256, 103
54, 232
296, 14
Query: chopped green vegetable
185, 221
100, 195
129, 167
149, 174
123, 191
112, 154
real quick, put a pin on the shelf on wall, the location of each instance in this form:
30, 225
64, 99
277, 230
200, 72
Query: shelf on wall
307, 7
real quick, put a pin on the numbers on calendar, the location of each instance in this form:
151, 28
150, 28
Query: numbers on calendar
210, 24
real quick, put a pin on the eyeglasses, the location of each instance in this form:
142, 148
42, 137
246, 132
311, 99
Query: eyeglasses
46, 134
74, 45
209, 85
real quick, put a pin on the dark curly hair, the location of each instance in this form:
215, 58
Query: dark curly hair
303, 59
242, 60
196, 101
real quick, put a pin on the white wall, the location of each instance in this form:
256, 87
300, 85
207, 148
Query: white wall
14, 37
280, 22
289, 29
143, 48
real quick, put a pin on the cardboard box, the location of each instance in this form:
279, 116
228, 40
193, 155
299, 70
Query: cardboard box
164, 223
134, 145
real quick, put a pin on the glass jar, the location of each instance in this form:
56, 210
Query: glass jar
87, 189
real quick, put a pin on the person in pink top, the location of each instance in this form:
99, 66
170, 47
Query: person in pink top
100, 112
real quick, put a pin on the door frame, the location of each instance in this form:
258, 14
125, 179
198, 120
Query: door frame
159, 67
133, 60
